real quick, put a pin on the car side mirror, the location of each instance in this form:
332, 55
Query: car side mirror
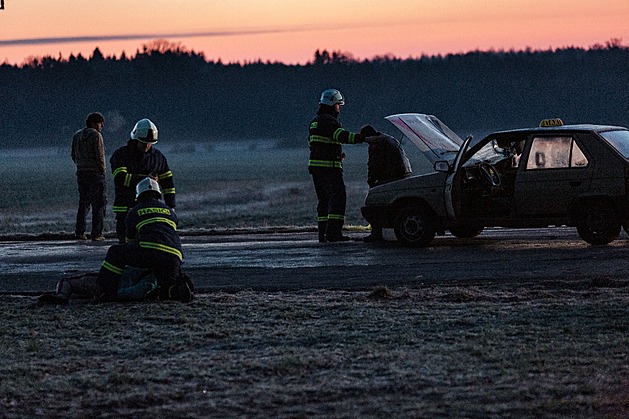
442, 166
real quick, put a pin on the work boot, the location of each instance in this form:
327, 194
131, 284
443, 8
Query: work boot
373, 238
322, 226
334, 231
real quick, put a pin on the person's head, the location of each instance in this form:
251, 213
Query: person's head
368, 131
145, 134
95, 120
332, 98
148, 188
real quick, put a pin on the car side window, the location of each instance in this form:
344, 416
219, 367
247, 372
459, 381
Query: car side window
555, 153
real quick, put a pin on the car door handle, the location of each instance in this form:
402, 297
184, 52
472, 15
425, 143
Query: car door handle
575, 183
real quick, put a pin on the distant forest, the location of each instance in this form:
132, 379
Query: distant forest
191, 99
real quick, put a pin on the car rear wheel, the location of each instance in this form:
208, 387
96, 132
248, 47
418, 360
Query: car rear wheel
466, 232
598, 224
414, 226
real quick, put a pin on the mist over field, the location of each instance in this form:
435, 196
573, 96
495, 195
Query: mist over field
229, 185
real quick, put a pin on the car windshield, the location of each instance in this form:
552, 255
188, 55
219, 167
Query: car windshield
619, 139
490, 153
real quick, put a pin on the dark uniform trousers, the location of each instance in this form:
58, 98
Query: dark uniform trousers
92, 194
165, 266
332, 199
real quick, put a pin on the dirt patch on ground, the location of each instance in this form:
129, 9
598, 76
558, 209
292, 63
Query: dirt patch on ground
473, 351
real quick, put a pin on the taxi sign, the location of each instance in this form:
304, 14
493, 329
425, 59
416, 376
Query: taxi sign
554, 122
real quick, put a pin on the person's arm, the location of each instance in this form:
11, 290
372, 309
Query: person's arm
166, 182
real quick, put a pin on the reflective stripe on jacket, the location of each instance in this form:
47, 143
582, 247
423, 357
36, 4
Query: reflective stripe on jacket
129, 166
325, 136
153, 225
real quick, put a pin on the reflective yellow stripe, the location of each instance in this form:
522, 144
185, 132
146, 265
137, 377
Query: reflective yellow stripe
112, 268
120, 170
127, 179
168, 191
320, 139
322, 218
163, 248
325, 163
336, 217
165, 175
337, 133
156, 220
120, 209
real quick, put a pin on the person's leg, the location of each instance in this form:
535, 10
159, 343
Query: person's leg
121, 227
321, 188
84, 205
337, 205
118, 257
99, 203
167, 270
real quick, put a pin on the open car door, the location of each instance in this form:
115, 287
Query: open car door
450, 189
431, 136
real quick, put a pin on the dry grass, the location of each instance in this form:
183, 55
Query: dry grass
478, 351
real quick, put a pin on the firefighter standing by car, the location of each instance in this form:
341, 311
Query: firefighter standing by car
134, 162
326, 165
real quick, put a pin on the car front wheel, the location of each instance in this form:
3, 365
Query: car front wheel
598, 224
414, 226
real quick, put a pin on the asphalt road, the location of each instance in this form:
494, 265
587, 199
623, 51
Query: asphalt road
296, 261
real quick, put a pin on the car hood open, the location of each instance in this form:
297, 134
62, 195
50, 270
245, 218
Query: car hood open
433, 138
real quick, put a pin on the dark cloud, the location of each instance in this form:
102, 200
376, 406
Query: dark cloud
130, 37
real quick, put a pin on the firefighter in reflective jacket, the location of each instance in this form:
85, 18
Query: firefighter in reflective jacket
153, 244
326, 165
134, 162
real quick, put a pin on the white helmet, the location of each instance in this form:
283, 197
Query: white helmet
147, 185
331, 97
144, 131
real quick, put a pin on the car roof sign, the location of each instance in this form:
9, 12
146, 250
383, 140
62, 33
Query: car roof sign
433, 138
552, 122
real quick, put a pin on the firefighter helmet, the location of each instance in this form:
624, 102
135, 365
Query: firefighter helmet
144, 131
331, 97
147, 185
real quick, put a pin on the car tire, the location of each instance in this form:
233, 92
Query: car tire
414, 226
466, 232
598, 224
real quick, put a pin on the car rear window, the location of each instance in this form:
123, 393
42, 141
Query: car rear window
619, 139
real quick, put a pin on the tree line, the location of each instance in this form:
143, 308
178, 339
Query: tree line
192, 99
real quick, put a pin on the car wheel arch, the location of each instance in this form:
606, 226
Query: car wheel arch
596, 219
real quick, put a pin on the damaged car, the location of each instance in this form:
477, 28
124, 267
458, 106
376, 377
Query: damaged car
549, 175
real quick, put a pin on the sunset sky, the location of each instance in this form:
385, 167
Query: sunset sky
291, 30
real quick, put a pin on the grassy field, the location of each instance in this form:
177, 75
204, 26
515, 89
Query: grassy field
549, 350
440, 351
221, 188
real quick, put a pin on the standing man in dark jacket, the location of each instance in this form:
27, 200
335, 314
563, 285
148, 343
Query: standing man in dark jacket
387, 162
134, 162
326, 165
153, 243
88, 153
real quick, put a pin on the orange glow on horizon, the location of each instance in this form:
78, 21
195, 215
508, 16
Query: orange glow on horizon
285, 31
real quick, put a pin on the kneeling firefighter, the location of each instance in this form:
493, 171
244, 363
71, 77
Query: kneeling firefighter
153, 243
